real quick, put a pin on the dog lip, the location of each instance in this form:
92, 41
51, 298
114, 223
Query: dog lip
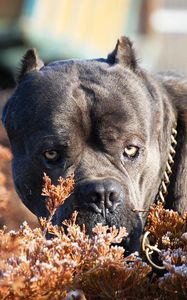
103, 211
115, 205
96, 208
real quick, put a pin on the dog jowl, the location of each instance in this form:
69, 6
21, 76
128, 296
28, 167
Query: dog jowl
108, 122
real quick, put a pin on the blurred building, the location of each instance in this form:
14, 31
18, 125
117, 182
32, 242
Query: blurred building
90, 28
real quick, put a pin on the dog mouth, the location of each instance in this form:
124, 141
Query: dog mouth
103, 210
120, 218
105, 202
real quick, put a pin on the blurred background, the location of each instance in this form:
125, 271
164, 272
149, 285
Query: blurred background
83, 29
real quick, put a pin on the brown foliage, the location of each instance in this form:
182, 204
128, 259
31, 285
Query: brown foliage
32, 267
167, 226
5, 156
170, 231
56, 195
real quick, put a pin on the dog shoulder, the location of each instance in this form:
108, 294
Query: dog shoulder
176, 87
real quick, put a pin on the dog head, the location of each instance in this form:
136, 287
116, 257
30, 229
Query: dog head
102, 120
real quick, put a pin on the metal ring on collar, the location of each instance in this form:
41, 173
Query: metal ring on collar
149, 250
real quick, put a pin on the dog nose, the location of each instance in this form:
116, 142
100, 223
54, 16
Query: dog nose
102, 196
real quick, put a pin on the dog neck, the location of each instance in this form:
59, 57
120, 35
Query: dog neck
147, 248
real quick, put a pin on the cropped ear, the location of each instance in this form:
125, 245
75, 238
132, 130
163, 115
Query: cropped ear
123, 54
30, 62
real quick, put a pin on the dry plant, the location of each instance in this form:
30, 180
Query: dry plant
170, 230
33, 267
5, 156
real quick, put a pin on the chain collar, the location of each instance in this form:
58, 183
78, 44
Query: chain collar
149, 247
163, 188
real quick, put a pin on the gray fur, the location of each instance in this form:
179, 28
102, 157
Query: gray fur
90, 110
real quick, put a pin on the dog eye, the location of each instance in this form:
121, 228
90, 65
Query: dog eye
51, 155
131, 151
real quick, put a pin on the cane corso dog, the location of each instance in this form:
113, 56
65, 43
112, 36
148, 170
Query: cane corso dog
107, 121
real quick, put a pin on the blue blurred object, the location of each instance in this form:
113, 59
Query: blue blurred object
65, 28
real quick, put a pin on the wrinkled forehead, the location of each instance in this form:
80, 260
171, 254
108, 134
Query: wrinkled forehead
78, 93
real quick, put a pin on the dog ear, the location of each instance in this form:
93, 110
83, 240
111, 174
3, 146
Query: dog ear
30, 62
123, 53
